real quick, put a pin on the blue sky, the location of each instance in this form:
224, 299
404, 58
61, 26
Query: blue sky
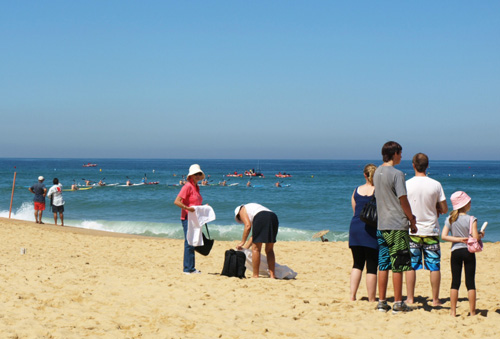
249, 79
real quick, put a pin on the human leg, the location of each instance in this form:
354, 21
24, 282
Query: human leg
432, 258
384, 264
256, 248
472, 301
400, 257
371, 286
271, 260
435, 284
397, 282
416, 264
470, 277
357, 269
189, 262
453, 302
355, 280
55, 218
371, 255
61, 216
411, 278
456, 272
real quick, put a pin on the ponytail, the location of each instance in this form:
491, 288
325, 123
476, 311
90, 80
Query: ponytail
453, 216
369, 171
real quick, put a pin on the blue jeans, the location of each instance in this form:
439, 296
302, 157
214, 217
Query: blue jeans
188, 250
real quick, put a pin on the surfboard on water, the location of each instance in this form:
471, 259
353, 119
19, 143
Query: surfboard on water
234, 184
132, 185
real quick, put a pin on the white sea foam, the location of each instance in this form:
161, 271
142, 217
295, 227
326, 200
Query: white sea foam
167, 230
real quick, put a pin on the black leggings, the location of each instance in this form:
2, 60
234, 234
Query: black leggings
361, 254
463, 257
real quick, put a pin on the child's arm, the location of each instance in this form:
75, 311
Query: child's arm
446, 237
475, 233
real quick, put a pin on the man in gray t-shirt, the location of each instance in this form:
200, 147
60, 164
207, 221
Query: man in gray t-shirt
40, 192
390, 187
394, 219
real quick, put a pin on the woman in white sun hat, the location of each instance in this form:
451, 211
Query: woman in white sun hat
187, 197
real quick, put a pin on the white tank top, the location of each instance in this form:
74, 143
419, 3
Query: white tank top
253, 208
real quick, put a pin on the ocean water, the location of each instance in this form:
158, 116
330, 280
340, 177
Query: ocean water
316, 197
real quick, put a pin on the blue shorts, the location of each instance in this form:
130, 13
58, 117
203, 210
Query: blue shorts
427, 248
394, 251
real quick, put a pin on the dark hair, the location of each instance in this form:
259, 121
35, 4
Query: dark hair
389, 149
55, 181
421, 162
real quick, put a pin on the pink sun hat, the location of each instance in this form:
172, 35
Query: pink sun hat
459, 199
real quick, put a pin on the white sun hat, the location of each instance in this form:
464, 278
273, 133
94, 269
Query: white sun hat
194, 169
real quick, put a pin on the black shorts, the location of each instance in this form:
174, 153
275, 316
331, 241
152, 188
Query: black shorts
265, 227
57, 209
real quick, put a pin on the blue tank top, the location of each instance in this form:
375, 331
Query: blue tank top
361, 234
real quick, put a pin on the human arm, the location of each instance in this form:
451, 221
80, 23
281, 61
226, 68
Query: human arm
249, 243
44, 192
353, 203
179, 202
405, 205
446, 237
442, 207
475, 233
246, 230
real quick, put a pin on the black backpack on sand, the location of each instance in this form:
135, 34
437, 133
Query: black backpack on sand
234, 264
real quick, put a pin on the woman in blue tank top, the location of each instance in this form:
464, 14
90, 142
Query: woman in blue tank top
363, 238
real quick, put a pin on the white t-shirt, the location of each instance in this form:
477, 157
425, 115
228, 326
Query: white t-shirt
56, 193
424, 194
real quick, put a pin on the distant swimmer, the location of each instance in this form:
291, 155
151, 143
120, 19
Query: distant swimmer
87, 182
249, 183
277, 184
223, 183
129, 183
74, 187
101, 183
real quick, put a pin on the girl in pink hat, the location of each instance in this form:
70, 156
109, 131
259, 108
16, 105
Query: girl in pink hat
458, 223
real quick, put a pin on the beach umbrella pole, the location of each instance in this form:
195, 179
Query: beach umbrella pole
12, 195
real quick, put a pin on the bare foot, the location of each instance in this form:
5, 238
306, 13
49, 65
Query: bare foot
437, 303
41, 222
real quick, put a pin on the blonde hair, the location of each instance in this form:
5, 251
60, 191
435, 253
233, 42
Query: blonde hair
369, 170
454, 214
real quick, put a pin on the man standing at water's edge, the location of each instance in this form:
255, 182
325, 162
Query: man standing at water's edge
40, 192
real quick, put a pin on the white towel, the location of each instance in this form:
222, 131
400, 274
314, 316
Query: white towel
280, 271
201, 215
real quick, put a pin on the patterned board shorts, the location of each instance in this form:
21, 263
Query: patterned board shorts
427, 248
394, 251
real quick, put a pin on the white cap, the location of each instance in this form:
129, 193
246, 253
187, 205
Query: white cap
40, 178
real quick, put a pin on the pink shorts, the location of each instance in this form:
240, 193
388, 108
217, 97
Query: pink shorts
39, 206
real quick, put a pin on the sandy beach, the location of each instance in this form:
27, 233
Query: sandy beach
74, 283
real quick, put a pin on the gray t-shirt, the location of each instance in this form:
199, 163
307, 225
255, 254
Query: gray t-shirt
389, 187
460, 228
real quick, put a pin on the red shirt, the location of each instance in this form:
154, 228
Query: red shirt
190, 194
